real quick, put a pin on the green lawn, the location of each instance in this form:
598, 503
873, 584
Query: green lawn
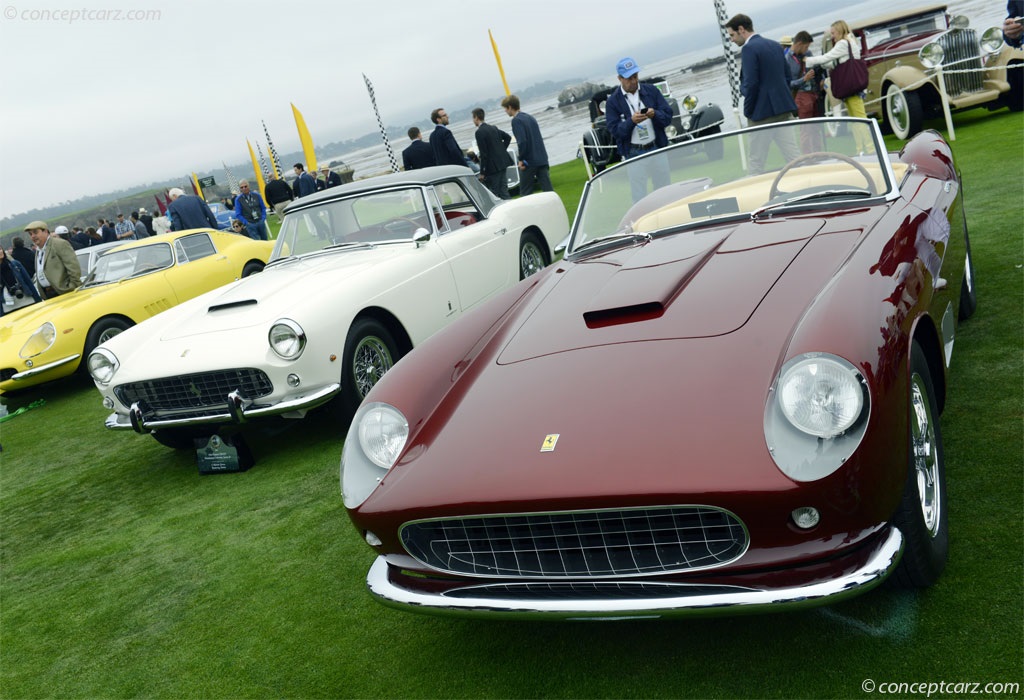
123, 573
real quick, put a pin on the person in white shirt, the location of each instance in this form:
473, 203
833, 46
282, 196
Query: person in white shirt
844, 47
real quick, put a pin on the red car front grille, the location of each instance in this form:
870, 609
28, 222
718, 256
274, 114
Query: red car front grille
579, 544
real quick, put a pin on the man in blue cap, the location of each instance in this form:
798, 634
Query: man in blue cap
637, 115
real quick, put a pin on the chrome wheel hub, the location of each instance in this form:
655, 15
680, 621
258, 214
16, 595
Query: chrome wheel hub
925, 455
371, 360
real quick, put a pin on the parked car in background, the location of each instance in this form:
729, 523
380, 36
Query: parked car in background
223, 214
361, 273
725, 398
904, 51
599, 146
128, 284
87, 256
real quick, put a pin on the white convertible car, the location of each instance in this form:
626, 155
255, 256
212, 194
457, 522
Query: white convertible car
360, 274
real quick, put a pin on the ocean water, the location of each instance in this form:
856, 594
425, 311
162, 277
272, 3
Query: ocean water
563, 127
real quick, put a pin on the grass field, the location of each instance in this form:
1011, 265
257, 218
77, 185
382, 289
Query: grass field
123, 573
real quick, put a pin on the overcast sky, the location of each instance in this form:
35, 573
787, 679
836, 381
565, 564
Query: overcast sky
98, 97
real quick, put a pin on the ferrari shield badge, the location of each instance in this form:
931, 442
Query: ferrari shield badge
549, 443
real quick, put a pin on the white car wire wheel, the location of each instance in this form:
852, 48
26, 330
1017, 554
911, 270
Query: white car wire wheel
370, 352
531, 256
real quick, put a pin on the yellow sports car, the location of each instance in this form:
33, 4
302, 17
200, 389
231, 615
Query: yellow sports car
129, 284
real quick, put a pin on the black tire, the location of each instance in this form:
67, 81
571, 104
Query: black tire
179, 438
370, 351
251, 268
102, 331
533, 256
903, 111
968, 293
922, 516
715, 149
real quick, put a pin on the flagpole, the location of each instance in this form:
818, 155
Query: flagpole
256, 168
497, 57
380, 123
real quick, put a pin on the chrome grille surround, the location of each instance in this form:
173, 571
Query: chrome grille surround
579, 544
962, 53
195, 392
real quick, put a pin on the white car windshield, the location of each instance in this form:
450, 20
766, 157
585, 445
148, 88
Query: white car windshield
382, 216
122, 264
828, 161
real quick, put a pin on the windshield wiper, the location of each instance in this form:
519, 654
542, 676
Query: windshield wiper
853, 191
637, 237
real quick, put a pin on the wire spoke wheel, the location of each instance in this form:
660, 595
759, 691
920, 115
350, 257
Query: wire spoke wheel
370, 361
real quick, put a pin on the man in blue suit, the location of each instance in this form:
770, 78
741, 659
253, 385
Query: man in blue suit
419, 154
764, 84
189, 211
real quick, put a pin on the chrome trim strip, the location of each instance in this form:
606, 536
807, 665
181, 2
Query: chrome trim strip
878, 566
116, 421
44, 368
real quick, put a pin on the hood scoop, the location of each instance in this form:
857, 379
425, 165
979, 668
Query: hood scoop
232, 305
623, 314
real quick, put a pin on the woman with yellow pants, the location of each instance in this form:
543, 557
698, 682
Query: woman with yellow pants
844, 46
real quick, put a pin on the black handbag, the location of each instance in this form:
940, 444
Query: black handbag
849, 78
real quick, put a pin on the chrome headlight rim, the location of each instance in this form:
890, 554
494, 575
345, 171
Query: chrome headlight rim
46, 329
827, 373
287, 339
102, 365
991, 41
931, 55
361, 473
958, 22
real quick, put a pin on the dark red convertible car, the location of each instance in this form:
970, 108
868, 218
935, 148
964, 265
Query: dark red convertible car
725, 397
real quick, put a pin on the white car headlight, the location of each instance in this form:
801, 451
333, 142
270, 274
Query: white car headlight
821, 396
376, 437
287, 339
39, 342
816, 415
103, 365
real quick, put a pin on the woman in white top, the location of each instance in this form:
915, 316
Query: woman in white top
843, 44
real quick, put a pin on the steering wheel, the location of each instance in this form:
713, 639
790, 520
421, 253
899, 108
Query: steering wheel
820, 155
401, 225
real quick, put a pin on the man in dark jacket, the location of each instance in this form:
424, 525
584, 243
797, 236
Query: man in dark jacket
330, 178
189, 211
147, 220
533, 157
442, 141
418, 154
277, 194
23, 255
492, 144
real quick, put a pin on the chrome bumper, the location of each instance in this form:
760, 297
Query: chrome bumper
44, 368
236, 410
872, 572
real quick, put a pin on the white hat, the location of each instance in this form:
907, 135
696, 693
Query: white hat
61, 229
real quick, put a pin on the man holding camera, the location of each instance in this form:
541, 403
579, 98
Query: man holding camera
16, 281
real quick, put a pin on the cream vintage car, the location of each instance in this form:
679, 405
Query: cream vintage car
360, 274
127, 285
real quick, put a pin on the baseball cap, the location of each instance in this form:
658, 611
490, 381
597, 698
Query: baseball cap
61, 229
37, 224
627, 68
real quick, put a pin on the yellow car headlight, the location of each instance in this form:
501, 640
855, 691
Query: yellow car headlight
39, 342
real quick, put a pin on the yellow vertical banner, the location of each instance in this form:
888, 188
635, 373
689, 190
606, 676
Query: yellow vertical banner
195, 183
307, 141
497, 57
256, 169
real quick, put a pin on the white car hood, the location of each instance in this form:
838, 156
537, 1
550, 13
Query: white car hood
272, 294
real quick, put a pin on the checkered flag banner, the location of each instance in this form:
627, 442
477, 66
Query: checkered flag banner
730, 56
263, 162
275, 161
232, 180
383, 131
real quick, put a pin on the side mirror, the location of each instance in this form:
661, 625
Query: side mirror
562, 246
420, 235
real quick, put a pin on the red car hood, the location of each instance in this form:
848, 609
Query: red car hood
691, 285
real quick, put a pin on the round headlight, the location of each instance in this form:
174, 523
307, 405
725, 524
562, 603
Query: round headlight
287, 339
670, 131
690, 102
959, 22
39, 342
102, 365
931, 54
383, 431
821, 396
992, 40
